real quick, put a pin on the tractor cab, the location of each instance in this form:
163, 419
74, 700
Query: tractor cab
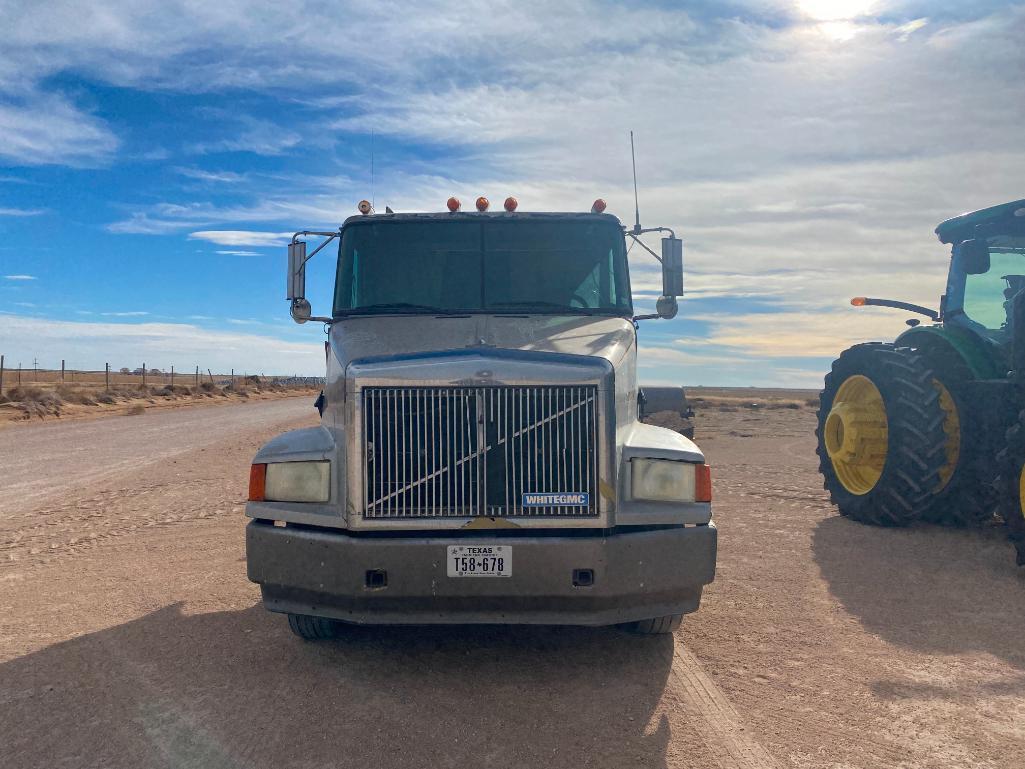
987, 269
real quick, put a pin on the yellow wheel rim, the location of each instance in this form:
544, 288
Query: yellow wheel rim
952, 429
1021, 492
856, 434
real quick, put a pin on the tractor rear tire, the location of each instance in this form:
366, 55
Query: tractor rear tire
1010, 485
885, 434
964, 496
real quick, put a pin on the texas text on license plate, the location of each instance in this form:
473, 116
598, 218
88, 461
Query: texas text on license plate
480, 560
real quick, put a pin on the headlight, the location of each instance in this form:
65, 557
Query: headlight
294, 482
662, 480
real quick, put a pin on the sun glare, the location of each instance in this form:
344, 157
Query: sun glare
835, 10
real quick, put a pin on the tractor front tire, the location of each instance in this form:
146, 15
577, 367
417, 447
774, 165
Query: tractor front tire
881, 443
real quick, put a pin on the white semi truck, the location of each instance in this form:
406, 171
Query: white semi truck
480, 458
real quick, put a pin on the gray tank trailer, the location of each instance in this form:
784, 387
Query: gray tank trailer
480, 457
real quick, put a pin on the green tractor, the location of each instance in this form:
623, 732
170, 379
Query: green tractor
932, 426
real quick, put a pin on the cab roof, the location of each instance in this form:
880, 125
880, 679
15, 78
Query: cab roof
478, 216
962, 227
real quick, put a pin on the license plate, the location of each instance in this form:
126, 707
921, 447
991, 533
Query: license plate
480, 560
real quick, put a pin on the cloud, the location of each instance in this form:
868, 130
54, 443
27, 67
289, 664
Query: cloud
132, 314
240, 253
39, 128
261, 138
242, 237
88, 345
225, 177
20, 277
22, 211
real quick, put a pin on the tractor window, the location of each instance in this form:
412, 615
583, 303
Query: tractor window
987, 296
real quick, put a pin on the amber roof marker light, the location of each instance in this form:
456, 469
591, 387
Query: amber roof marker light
365, 208
859, 301
510, 204
453, 204
598, 207
482, 204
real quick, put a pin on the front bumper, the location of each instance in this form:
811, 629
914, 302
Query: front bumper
637, 575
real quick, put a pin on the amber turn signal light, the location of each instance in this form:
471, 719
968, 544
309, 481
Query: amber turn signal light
257, 482
702, 483
858, 301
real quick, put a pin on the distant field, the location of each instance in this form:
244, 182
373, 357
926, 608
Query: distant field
752, 397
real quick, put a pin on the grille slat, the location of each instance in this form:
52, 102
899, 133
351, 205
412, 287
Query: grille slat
477, 451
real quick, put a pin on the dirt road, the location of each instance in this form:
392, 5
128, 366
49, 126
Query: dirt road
129, 636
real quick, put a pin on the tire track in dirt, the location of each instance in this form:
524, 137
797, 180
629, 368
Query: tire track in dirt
721, 726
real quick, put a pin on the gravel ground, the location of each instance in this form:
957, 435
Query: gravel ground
129, 636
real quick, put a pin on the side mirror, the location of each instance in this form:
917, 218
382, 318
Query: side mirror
672, 268
667, 307
974, 256
296, 270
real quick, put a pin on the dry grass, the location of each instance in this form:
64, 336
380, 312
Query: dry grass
54, 400
136, 410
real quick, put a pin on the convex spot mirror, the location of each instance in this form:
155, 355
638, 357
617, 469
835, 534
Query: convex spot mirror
974, 256
666, 307
301, 310
672, 267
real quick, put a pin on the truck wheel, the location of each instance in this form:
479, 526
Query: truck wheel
312, 628
881, 443
1010, 485
656, 625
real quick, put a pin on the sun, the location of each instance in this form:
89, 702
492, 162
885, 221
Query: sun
835, 10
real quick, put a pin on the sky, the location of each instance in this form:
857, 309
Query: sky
155, 157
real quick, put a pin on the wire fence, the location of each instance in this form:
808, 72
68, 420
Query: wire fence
110, 376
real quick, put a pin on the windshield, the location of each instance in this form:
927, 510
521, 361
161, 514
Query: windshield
988, 293
567, 266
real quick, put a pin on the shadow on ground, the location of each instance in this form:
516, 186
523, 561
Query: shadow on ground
234, 689
934, 589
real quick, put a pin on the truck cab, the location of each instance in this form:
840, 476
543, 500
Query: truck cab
480, 458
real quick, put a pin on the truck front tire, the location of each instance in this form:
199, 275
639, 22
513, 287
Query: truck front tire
312, 628
656, 625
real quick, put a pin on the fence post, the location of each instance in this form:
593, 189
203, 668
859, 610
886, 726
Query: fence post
211, 375
144, 374
233, 379
106, 375
19, 373
172, 377
197, 376
1, 374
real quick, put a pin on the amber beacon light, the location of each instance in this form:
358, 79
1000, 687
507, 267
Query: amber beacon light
453, 204
510, 204
598, 206
482, 203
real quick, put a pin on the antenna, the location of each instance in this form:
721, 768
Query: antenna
637, 207
372, 199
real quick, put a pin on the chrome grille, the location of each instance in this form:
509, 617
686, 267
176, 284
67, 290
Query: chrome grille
479, 451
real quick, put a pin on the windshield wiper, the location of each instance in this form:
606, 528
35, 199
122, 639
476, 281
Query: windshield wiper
402, 306
541, 305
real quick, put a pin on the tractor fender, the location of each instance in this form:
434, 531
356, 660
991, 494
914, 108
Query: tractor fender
982, 357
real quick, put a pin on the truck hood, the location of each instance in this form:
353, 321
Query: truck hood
366, 337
